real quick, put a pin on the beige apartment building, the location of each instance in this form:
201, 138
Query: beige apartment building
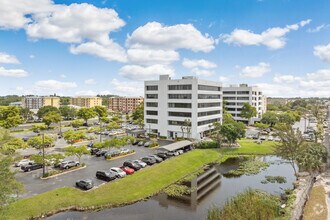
36, 102
124, 104
86, 102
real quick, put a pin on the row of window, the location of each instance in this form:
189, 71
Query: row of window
152, 112
180, 114
210, 121
208, 105
179, 105
152, 88
180, 87
179, 96
201, 114
209, 88
152, 121
152, 104
208, 96
185, 105
238, 92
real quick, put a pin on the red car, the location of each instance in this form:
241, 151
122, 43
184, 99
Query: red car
127, 170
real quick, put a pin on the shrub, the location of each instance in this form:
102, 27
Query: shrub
163, 137
207, 144
153, 144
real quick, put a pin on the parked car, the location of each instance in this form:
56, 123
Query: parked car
118, 171
90, 144
94, 151
162, 155
135, 142
100, 153
132, 165
263, 138
25, 139
180, 152
141, 143
66, 164
85, 184
170, 154
146, 144
270, 138
57, 164
106, 175
277, 139
139, 163
149, 160
158, 159
23, 162
112, 153
124, 151
127, 170
31, 166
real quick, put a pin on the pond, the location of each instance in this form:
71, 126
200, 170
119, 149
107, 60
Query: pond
212, 189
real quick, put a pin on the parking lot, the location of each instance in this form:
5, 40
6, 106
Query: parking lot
34, 185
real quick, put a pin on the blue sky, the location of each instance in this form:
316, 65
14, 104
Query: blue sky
111, 46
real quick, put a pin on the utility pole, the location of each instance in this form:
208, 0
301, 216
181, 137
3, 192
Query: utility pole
100, 131
43, 154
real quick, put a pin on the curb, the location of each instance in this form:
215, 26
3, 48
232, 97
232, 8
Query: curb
59, 174
122, 156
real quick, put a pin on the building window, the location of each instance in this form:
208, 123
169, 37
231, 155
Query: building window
210, 121
209, 88
231, 109
152, 121
243, 92
229, 92
180, 87
152, 112
178, 123
242, 98
229, 98
151, 88
201, 114
208, 96
207, 105
179, 96
180, 114
152, 96
179, 105
152, 104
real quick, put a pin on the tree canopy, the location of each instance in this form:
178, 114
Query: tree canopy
101, 112
86, 113
9, 116
76, 151
45, 109
37, 141
68, 112
51, 117
248, 111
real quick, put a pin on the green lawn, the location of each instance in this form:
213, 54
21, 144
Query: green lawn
249, 147
144, 183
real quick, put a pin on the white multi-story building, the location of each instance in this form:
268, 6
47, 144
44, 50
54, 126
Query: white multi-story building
170, 102
235, 96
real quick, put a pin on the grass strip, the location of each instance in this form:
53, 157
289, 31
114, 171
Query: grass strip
249, 147
316, 207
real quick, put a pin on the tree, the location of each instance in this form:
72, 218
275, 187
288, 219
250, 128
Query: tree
261, 125
216, 133
138, 113
232, 131
86, 113
269, 118
76, 151
9, 116
10, 146
248, 111
139, 122
51, 117
39, 127
77, 123
112, 125
72, 137
65, 100
45, 109
312, 157
25, 114
37, 141
48, 160
8, 184
291, 144
100, 111
114, 142
68, 112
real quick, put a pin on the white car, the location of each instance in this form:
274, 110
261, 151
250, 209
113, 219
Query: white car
124, 151
118, 171
139, 162
23, 162
180, 152
270, 138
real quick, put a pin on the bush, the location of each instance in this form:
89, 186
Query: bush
152, 135
77, 123
163, 137
207, 144
153, 144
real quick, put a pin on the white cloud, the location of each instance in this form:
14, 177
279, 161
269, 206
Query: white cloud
223, 79
255, 71
198, 63
136, 72
18, 73
320, 75
286, 79
54, 85
318, 28
86, 93
90, 82
323, 52
154, 35
273, 38
127, 88
151, 56
202, 72
6, 58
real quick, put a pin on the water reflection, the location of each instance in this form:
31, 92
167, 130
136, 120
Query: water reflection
211, 189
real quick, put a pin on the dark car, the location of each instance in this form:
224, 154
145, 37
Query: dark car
25, 139
85, 184
162, 155
94, 151
31, 166
132, 165
149, 160
100, 153
135, 142
158, 159
90, 144
112, 153
105, 175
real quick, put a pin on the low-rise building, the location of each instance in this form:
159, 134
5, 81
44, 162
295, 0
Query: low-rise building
17, 104
86, 101
185, 107
124, 104
234, 96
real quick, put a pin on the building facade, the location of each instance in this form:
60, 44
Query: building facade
184, 107
86, 102
124, 104
36, 102
235, 96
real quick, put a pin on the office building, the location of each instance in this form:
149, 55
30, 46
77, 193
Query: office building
185, 107
124, 104
235, 96
86, 101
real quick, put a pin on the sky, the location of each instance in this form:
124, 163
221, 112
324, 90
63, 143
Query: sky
111, 46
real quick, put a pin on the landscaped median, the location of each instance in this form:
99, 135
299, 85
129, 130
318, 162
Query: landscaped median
133, 188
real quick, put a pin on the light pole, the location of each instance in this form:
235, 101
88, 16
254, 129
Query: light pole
43, 154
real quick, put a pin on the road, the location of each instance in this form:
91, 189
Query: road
34, 185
